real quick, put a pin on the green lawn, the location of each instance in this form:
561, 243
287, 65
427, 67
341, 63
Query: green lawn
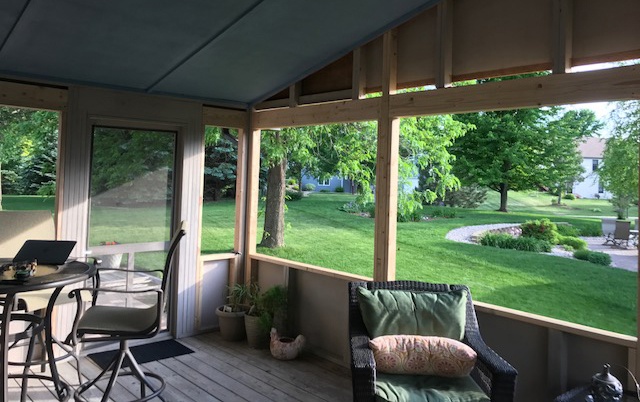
576, 291
319, 233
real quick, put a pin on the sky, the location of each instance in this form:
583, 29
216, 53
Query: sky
602, 110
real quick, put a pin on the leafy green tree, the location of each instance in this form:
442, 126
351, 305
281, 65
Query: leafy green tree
562, 162
220, 161
499, 152
277, 147
521, 149
619, 169
424, 144
28, 151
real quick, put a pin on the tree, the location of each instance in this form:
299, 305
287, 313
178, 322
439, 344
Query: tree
499, 152
561, 157
521, 149
277, 145
220, 160
424, 144
619, 169
28, 151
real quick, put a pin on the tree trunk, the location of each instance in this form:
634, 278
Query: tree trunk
559, 196
504, 188
273, 233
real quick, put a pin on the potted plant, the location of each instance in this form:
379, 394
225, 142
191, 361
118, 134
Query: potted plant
255, 319
275, 306
231, 314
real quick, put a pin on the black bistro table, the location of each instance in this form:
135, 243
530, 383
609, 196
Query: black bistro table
53, 277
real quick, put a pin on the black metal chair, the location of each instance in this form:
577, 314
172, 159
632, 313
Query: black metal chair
100, 323
495, 376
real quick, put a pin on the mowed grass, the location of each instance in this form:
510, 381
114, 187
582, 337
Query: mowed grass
572, 290
319, 233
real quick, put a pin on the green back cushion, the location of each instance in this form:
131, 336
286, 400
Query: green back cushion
399, 312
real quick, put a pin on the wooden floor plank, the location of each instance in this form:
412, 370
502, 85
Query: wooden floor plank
217, 371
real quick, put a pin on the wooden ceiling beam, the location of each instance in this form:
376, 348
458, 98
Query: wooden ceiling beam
33, 96
621, 83
219, 117
562, 36
444, 44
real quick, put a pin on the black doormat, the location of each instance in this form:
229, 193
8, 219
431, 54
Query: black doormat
144, 353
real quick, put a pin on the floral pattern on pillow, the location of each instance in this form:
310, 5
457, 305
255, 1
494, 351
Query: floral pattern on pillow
427, 355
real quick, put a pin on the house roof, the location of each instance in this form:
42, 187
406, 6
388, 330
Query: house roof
592, 147
231, 53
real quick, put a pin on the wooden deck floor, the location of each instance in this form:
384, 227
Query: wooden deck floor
221, 371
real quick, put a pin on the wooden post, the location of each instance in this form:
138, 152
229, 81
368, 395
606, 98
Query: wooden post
633, 363
252, 196
239, 240
387, 171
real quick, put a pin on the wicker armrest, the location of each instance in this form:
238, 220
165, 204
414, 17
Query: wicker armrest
494, 373
363, 369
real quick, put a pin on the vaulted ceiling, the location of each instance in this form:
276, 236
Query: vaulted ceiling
232, 53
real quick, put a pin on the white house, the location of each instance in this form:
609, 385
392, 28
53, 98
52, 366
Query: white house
590, 187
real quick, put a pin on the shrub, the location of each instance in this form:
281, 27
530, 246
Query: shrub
504, 240
569, 197
291, 181
466, 196
309, 187
339, 189
573, 242
594, 257
591, 229
324, 190
500, 240
542, 229
568, 230
293, 195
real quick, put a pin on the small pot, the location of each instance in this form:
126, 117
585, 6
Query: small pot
284, 347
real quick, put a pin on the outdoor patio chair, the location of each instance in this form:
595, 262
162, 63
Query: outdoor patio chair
608, 228
100, 323
425, 309
622, 233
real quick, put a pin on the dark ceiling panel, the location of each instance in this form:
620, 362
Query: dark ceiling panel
9, 13
282, 41
115, 43
226, 52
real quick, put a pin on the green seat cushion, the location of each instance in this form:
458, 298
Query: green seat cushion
425, 388
399, 312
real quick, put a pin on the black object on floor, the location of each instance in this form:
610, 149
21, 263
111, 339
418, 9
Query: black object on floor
144, 353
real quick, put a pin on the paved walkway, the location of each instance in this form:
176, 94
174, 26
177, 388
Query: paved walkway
620, 257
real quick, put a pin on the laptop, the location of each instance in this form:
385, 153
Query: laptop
46, 252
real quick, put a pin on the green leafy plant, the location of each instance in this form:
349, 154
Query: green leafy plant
309, 187
293, 195
339, 189
595, 257
542, 229
504, 240
237, 297
568, 230
574, 242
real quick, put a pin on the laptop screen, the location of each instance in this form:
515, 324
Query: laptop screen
48, 252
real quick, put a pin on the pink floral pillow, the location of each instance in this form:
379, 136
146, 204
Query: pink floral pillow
429, 355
